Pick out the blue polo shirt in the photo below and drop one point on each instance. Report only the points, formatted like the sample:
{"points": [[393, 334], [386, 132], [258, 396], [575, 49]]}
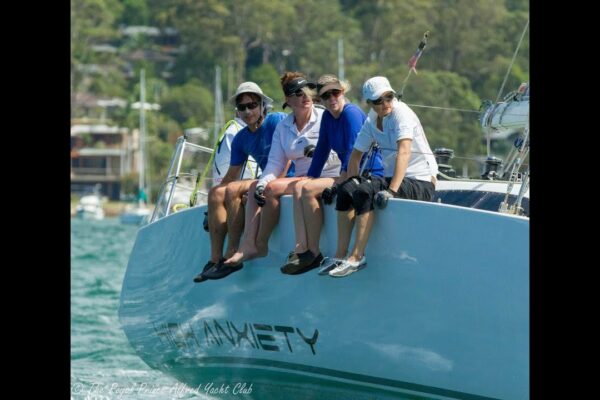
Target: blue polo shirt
{"points": [[339, 135], [256, 144]]}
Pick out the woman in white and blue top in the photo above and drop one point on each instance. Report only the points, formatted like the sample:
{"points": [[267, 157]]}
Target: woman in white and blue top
{"points": [[293, 141], [410, 166]]}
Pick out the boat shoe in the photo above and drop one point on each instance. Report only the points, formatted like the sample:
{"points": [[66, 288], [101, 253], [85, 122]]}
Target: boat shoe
{"points": [[221, 270], [348, 267], [200, 277], [305, 262]]}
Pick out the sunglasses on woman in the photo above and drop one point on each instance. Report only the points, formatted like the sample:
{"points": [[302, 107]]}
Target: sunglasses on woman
{"points": [[329, 93], [298, 93], [250, 106], [380, 100]]}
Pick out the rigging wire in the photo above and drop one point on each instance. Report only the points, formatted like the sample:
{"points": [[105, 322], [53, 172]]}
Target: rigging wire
{"points": [[488, 130]]}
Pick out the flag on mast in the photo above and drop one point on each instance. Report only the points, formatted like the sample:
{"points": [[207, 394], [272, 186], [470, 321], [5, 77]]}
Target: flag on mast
{"points": [[412, 63]]}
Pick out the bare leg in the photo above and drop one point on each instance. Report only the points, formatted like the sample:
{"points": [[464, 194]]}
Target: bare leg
{"points": [[312, 210], [235, 213], [299, 227], [217, 221], [247, 249], [364, 224], [345, 223], [270, 212]]}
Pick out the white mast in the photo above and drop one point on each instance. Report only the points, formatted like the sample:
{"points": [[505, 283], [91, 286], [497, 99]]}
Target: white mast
{"points": [[341, 58], [142, 135], [218, 105]]}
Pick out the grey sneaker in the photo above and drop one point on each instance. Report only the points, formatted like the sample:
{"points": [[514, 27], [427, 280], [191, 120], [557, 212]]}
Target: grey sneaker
{"points": [[328, 264], [348, 267]]}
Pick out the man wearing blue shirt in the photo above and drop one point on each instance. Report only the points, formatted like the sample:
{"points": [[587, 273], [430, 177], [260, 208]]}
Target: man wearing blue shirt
{"points": [[225, 210]]}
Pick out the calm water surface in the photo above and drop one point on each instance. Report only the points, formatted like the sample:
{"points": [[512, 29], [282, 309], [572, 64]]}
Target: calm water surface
{"points": [[103, 364]]}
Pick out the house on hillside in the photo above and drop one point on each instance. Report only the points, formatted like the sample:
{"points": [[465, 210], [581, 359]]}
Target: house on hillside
{"points": [[101, 154]]}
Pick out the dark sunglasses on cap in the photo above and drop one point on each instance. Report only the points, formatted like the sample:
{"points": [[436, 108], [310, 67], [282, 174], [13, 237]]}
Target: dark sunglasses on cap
{"points": [[329, 93], [380, 100], [250, 106]]}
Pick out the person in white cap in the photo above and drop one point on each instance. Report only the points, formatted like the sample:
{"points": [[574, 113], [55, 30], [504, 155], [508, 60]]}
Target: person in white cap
{"points": [[225, 210], [410, 166], [294, 140]]}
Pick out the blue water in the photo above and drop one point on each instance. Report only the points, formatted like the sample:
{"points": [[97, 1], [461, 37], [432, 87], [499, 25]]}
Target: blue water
{"points": [[103, 364]]}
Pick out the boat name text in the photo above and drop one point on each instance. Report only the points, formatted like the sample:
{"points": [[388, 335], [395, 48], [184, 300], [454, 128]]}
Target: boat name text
{"points": [[211, 333]]}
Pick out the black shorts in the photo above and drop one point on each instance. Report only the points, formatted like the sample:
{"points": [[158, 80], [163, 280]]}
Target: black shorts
{"points": [[414, 189], [358, 192]]}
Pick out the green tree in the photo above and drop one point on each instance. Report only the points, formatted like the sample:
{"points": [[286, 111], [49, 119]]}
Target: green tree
{"points": [[268, 79], [190, 102], [458, 130], [135, 12]]}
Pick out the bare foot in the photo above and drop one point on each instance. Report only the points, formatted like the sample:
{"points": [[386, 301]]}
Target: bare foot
{"points": [[229, 254], [240, 256]]}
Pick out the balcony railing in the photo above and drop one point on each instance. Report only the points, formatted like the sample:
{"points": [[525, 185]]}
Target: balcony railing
{"points": [[85, 171]]}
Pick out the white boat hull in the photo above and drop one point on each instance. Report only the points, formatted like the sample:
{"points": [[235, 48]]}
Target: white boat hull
{"points": [[441, 310]]}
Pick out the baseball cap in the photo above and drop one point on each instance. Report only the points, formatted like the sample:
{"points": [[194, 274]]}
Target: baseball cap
{"points": [[375, 87]]}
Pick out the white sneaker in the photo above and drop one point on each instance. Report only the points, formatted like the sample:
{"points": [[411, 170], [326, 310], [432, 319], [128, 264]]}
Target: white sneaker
{"points": [[348, 267], [328, 264]]}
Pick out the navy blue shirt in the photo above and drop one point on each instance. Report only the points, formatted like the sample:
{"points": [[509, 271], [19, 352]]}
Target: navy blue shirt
{"points": [[256, 144], [339, 135]]}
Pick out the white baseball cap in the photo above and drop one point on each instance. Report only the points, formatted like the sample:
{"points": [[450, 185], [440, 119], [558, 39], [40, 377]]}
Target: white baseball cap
{"points": [[375, 87], [250, 87]]}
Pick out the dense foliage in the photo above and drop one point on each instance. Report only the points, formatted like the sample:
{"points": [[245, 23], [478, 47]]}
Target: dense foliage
{"points": [[470, 47]]}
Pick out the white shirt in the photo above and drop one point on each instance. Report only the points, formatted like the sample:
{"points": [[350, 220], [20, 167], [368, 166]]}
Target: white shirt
{"points": [[401, 123], [289, 144], [223, 155]]}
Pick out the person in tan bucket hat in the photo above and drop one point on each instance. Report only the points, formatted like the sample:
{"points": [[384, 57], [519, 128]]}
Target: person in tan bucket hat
{"points": [[225, 208], [296, 136]]}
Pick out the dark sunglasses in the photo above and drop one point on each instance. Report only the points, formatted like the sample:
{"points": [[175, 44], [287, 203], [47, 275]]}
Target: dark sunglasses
{"points": [[329, 93], [298, 93], [380, 100], [250, 106]]}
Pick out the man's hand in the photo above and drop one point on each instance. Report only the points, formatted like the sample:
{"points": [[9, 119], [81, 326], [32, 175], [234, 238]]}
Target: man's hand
{"points": [[259, 196]]}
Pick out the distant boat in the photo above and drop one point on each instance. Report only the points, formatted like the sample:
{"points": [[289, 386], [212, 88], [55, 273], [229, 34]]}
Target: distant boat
{"points": [[135, 215], [90, 207], [140, 214]]}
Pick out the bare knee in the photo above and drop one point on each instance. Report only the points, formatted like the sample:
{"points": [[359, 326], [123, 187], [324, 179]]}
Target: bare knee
{"points": [[216, 195], [299, 190], [270, 192], [311, 191], [233, 194]]}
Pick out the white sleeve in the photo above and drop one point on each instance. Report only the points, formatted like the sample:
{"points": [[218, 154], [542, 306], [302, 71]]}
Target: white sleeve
{"points": [[277, 158], [222, 156], [364, 138]]}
